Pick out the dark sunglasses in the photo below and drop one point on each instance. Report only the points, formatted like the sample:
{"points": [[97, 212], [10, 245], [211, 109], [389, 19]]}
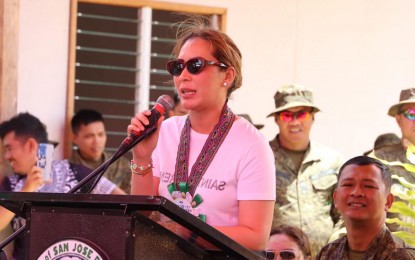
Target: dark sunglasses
{"points": [[409, 113], [288, 116], [285, 255], [194, 66]]}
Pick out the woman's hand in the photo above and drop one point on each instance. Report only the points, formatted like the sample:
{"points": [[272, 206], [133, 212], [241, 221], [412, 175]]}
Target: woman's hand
{"points": [[144, 149]]}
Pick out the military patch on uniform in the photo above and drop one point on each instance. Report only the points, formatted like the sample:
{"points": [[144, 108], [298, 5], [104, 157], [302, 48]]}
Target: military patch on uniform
{"points": [[324, 180]]}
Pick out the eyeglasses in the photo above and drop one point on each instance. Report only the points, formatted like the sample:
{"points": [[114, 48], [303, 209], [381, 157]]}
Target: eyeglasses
{"points": [[194, 66], [409, 113], [285, 255], [288, 116]]}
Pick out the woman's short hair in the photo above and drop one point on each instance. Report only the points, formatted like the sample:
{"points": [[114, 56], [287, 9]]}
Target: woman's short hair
{"points": [[225, 50]]}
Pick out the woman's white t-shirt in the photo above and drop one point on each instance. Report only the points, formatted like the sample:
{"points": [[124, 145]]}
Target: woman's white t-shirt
{"points": [[242, 169]]}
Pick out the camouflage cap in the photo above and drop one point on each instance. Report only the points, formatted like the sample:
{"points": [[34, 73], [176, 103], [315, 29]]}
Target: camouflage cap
{"points": [[407, 96], [386, 140], [247, 117], [289, 96]]}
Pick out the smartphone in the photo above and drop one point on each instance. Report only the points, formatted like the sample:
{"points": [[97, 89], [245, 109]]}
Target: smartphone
{"points": [[44, 159]]}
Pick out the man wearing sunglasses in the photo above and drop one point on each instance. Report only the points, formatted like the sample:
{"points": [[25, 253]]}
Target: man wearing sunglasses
{"points": [[306, 171], [404, 114]]}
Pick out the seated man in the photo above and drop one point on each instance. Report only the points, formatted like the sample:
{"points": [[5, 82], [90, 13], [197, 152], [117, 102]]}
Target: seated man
{"points": [[21, 137], [89, 136], [363, 198], [4, 171]]}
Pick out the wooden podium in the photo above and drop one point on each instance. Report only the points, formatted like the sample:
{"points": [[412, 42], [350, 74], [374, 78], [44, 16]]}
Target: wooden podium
{"points": [[91, 226]]}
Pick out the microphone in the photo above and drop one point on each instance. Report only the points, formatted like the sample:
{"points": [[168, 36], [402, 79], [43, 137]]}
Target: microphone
{"points": [[163, 104]]}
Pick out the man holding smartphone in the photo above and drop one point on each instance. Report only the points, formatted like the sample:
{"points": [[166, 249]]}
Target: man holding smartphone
{"points": [[21, 136]]}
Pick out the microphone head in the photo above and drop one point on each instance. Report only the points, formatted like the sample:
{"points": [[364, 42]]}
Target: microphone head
{"points": [[166, 101]]}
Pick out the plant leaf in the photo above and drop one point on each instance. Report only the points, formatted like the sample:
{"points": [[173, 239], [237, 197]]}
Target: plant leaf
{"points": [[403, 209]]}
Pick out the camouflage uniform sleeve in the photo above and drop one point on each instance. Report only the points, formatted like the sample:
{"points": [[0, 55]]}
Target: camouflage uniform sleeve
{"points": [[125, 184], [334, 250], [403, 254], [119, 173], [339, 228]]}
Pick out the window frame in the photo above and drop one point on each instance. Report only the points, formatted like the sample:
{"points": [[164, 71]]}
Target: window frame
{"points": [[221, 13]]}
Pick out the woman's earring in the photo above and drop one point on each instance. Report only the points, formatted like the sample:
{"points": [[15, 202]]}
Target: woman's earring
{"points": [[225, 84]]}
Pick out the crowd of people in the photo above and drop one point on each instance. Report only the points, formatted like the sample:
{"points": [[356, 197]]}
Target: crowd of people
{"points": [[291, 197]]}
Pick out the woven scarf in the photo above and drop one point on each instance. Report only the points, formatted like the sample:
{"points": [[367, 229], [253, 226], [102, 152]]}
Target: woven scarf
{"points": [[207, 154]]}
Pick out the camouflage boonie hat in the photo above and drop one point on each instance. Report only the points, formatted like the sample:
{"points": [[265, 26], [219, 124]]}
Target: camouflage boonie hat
{"points": [[386, 140], [289, 96], [247, 117], [407, 96]]}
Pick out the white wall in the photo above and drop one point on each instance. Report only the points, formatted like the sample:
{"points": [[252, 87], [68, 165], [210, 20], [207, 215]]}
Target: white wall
{"points": [[356, 54], [43, 62]]}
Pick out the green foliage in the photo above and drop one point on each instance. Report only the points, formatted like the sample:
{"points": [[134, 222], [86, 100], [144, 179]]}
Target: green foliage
{"points": [[406, 206], [408, 237], [402, 208]]}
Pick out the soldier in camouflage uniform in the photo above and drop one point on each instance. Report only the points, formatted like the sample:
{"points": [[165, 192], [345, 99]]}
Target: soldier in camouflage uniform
{"points": [[90, 137], [404, 113], [363, 196], [383, 140], [306, 171]]}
